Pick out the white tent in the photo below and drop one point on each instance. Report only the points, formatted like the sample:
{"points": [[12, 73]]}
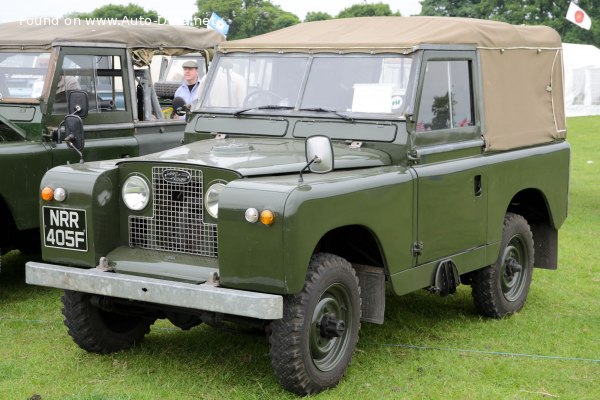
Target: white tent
{"points": [[582, 79]]}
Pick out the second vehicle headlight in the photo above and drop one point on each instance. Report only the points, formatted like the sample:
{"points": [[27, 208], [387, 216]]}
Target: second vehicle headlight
{"points": [[135, 193], [211, 199]]}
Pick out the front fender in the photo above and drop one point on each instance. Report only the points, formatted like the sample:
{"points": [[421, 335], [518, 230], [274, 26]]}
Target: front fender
{"points": [[275, 258], [93, 188]]}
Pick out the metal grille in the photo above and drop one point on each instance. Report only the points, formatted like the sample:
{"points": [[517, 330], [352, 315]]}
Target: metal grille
{"points": [[177, 223]]}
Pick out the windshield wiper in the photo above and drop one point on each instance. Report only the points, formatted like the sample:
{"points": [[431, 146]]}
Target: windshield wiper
{"points": [[268, 107], [321, 109]]}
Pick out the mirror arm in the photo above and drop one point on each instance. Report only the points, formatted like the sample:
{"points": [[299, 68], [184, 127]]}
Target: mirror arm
{"points": [[69, 142], [315, 159]]}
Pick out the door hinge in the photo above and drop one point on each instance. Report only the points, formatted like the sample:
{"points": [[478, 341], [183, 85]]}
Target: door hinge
{"points": [[417, 248], [413, 157]]}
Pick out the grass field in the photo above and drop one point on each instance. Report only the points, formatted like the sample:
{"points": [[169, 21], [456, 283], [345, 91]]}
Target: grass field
{"points": [[429, 347]]}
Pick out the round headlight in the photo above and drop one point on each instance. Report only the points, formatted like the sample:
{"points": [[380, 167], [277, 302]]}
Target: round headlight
{"points": [[135, 193], [211, 199]]}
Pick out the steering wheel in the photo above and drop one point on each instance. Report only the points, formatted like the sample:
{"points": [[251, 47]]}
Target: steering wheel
{"points": [[261, 97]]}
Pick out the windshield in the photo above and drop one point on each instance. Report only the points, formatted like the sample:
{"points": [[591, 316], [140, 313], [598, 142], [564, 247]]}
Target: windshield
{"points": [[22, 74], [342, 83]]}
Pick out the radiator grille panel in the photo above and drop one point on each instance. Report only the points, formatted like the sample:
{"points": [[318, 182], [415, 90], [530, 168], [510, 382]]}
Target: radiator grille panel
{"points": [[177, 222]]}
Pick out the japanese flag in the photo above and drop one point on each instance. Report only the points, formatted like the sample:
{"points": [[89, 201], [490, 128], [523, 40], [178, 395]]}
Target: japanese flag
{"points": [[579, 17]]}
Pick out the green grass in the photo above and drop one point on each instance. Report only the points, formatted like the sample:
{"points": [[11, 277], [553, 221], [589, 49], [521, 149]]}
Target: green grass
{"points": [[561, 319]]}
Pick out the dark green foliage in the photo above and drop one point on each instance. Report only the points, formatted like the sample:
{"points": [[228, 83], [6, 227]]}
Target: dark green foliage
{"points": [[316, 16], [366, 10], [116, 11], [537, 12]]}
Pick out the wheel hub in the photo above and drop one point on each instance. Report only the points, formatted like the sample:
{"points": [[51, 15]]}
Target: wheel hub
{"points": [[331, 327], [512, 267]]}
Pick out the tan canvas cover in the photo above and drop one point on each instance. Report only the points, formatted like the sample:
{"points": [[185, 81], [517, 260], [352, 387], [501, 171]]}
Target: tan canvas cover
{"points": [[522, 75], [523, 97], [384, 33], [168, 39]]}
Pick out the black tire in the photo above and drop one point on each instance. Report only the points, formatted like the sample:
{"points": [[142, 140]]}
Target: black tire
{"points": [[501, 289], [306, 354], [99, 331]]}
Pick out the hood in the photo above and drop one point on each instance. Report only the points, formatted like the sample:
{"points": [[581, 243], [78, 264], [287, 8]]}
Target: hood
{"points": [[255, 156]]}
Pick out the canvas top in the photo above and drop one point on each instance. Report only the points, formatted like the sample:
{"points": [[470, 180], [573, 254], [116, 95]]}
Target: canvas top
{"points": [[368, 34], [169, 39]]}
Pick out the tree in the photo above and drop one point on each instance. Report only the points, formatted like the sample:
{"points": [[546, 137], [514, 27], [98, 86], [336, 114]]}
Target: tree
{"points": [[117, 12], [366, 10], [316, 16], [531, 12], [247, 18]]}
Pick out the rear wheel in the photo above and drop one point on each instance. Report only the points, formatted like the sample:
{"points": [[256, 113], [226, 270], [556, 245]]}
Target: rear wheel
{"points": [[312, 345], [100, 331], [501, 289]]}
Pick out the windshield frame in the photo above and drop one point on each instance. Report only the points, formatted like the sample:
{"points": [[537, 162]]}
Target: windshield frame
{"points": [[200, 105]]}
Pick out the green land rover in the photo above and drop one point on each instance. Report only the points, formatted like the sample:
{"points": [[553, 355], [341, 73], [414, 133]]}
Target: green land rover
{"points": [[40, 66], [323, 163]]}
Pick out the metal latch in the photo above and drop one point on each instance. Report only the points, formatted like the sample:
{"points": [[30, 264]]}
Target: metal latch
{"points": [[417, 248], [355, 145]]}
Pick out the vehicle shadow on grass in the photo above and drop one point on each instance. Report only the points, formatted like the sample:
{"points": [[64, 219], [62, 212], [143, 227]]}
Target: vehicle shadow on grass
{"points": [[12, 279], [421, 317], [242, 358]]}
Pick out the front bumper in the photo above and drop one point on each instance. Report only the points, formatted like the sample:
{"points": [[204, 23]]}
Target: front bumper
{"points": [[199, 297]]}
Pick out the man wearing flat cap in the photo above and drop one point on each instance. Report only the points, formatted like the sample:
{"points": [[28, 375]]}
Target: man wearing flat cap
{"points": [[188, 91]]}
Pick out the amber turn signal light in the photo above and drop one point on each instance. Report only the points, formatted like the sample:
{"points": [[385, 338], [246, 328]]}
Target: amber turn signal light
{"points": [[47, 193], [267, 217]]}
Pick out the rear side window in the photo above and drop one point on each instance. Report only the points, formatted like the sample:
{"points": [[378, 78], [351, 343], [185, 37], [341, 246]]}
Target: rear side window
{"points": [[447, 96]]}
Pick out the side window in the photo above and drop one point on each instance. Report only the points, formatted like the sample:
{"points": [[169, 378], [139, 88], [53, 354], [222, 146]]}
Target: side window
{"points": [[101, 77], [447, 96]]}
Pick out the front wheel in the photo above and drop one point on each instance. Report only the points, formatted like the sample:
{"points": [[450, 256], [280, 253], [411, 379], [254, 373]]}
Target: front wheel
{"points": [[312, 345], [501, 289], [100, 331]]}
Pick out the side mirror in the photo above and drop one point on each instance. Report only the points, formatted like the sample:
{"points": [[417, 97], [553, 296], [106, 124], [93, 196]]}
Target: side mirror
{"points": [[78, 103], [319, 155], [179, 106], [74, 132], [319, 150]]}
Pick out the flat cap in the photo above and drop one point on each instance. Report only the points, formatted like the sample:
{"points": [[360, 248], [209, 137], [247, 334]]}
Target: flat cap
{"points": [[190, 64]]}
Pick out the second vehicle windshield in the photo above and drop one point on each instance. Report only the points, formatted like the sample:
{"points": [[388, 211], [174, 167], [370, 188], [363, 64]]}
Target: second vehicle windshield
{"points": [[22, 75], [343, 83]]}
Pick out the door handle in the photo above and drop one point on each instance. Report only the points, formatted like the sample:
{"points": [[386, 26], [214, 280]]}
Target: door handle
{"points": [[477, 188]]}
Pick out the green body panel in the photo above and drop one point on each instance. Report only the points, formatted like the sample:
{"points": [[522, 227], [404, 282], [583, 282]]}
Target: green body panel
{"points": [[169, 265], [251, 255], [544, 169], [275, 258], [101, 181], [450, 216], [379, 199], [23, 164]]}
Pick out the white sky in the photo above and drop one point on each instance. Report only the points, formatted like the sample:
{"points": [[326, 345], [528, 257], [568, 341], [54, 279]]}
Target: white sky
{"points": [[180, 10]]}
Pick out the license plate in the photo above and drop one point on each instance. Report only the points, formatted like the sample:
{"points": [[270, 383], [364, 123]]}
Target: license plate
{"points": [[65, 228]]}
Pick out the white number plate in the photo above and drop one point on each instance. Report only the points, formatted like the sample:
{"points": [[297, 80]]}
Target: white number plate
{"points": [[65, 228]]}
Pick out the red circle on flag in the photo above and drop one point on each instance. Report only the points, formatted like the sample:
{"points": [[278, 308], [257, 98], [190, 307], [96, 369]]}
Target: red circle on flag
{"points": [[578, 16]]}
